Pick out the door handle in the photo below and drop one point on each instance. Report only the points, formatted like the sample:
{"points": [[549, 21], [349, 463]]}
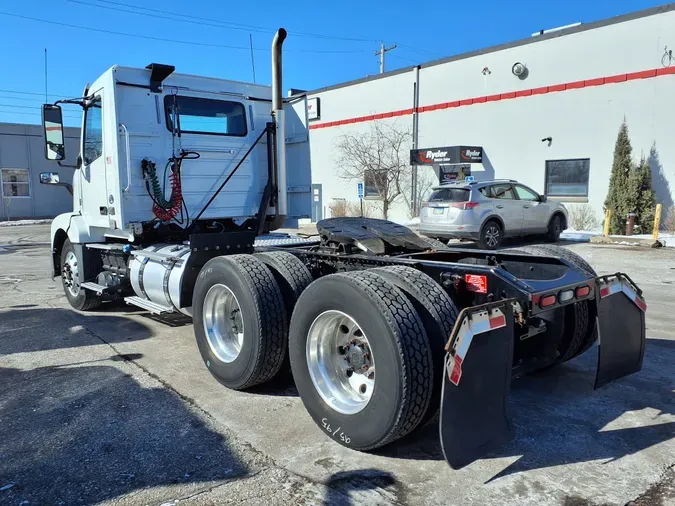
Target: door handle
{"points": [[499, 206], [526, 207]]}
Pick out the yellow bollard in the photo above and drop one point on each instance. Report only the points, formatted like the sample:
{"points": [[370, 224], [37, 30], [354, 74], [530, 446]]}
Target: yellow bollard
{"points": [[608, 216], [657, 221]]}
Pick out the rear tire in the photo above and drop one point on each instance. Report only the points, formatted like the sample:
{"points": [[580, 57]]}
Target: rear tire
{"points": [[491, 235], [292, 276], [580, 317], [73, 274], [396, 345], [438, 314], [436, 244], [240, 321]]}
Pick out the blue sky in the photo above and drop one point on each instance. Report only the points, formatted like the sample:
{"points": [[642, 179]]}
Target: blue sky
{"points": [[328, 42]]}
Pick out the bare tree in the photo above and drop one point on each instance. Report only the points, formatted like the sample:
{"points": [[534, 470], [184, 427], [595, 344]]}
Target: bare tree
{"points": [[380, 158], [414, 195]]}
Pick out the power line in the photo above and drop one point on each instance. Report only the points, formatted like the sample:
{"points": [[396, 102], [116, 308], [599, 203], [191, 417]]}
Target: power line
{"points": [[176, 41], [209, 21]]}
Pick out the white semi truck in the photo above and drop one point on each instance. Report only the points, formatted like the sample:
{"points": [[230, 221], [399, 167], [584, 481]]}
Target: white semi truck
{"points": [[179, 182]]}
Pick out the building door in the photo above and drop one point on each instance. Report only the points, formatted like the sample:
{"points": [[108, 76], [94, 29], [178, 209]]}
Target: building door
{"points": [[317, 203]]}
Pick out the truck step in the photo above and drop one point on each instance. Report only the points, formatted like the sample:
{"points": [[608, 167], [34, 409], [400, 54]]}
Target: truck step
{"points": [[94, 287], [148, 305]]}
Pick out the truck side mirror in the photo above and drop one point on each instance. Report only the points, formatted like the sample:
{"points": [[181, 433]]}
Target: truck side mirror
{"points": [[543, 198], [52, 122], [49, 178]]}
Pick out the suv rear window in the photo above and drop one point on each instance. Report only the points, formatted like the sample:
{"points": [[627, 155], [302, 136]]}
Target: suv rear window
{"points": [[450, 195]]}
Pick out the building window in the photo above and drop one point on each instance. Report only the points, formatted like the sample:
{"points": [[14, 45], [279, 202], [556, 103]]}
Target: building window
{"points": [[567, 178], [374, 183], [205, 116], [93, 132], [15, 183]]}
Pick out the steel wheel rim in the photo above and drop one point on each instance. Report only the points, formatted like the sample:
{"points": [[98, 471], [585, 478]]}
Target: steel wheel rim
{"points": [[223, 323], [492, 236], [340, 362], [71, 274]]}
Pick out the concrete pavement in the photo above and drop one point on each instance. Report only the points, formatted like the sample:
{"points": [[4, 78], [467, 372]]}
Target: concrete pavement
{"points": [[114, 407]]}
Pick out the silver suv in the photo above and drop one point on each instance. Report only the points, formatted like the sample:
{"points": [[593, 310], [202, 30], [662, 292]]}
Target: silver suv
{"points": [[489, 211]]}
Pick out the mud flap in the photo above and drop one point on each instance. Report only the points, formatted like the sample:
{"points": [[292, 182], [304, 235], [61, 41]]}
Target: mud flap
{"points": [[621, 328], [475, 416]]}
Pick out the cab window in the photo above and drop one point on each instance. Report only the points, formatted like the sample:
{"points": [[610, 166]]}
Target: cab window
{"points": [[93, 132], [195, 115]]}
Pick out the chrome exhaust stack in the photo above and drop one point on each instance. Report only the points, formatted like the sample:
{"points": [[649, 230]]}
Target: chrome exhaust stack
{"points": [[280, 136]]}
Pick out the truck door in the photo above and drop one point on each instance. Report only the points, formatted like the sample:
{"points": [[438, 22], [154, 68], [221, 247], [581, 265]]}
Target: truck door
{"points": [[94, 196]]}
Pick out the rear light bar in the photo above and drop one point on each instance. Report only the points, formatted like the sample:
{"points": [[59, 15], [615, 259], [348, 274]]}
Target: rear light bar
{"points": [[562, 296], [465, 205]]}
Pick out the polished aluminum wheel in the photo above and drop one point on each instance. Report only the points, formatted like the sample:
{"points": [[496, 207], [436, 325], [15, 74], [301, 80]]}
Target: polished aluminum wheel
{"points": [[223, 323], [71, 274], [340, 362]]}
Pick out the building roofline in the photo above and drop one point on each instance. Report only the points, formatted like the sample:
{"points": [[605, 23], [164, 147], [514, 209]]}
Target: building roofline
{"points": [[622, 18]]}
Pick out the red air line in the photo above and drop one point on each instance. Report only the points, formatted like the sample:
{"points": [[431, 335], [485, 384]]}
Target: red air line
{"points": [[600, 81]]}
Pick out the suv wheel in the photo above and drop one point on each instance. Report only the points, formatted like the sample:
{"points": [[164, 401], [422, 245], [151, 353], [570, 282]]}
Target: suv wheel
{"points": [[555, 229], [491, 235]]}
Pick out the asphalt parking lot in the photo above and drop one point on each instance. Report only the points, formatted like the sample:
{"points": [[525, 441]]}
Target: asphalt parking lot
{"points": [[116, 408]]}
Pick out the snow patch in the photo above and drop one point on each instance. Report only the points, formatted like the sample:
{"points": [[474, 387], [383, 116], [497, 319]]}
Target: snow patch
{"points": [[18, 223]]}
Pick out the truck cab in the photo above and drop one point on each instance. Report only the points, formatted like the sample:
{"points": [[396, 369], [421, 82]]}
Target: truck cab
{"points": [[134, 117]]}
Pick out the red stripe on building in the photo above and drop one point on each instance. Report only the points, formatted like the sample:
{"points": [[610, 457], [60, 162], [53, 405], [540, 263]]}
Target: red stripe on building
{"points": [[575, 85]]}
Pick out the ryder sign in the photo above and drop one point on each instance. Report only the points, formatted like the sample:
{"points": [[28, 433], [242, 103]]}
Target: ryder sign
{"points": [[446, 155]]}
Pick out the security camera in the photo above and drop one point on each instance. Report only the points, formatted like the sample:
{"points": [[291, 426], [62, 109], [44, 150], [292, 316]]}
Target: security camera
{"points": [[547, 139], [518, 69]]}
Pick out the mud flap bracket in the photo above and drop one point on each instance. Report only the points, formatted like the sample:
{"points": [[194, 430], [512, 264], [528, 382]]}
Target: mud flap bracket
{"points": [[475, 416], [621, 328]]}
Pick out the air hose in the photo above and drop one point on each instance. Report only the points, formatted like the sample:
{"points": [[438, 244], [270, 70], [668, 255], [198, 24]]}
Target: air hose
{"points": [[165, 210]]}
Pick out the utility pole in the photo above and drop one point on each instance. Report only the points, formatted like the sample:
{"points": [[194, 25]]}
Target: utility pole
{"points": [[250, 39], [381, 52]]}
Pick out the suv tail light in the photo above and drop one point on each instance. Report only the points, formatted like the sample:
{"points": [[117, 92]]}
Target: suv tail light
{"points": [[465, 205]]}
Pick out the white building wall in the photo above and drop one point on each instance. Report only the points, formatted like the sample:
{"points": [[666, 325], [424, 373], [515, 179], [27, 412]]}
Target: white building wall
{"points": [[580, 86]]}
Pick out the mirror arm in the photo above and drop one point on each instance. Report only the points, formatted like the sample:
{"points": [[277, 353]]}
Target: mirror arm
{"points": [[68, 166], [79, 101]]}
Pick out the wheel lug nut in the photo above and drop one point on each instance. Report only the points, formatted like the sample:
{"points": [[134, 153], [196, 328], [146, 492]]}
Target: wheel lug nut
{"points": [[341, 350], [350, 371], [362, 389]]}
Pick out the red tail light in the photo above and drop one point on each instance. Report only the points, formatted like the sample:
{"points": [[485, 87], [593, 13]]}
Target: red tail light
{"points": [[465, 205], [582, 291], [547, 301], [425, 204]]}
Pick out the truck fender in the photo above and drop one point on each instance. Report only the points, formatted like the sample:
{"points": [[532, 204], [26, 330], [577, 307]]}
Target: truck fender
{"points": [[74, 228]]}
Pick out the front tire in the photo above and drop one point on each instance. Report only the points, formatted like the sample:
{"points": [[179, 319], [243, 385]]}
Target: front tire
{"points": [[72, 276], [491, 235], [555, 228], [345, 328], [240, 321]]}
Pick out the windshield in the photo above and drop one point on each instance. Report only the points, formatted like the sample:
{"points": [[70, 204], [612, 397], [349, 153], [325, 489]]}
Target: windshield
{"points": [[450, 195]]}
